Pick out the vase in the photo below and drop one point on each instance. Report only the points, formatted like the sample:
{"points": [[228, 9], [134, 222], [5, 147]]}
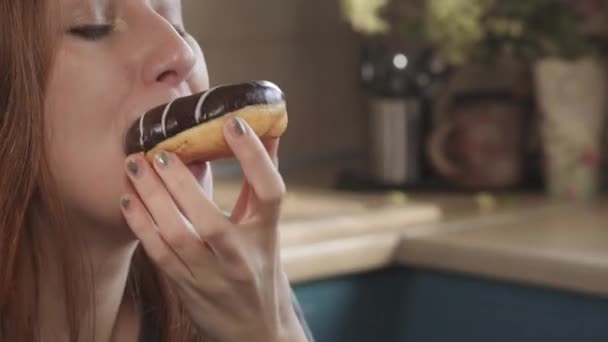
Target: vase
{"points": [[571, 97]]}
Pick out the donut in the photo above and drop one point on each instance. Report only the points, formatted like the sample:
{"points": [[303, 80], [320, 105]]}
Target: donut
{"points": [[192, 126]]}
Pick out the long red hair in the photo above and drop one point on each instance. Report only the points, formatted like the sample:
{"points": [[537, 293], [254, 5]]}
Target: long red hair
{"points": [[28, 37]]}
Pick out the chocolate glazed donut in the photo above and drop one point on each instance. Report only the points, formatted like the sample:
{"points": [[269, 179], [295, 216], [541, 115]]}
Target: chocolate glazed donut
{"points": [[192, 126]]}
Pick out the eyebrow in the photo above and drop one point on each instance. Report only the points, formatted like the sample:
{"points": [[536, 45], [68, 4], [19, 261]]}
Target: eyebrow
{"points": [[98, 10]]}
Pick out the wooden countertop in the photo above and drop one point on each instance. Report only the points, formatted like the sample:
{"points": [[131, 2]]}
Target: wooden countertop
{"points": [[526, 239], [560, 246]]}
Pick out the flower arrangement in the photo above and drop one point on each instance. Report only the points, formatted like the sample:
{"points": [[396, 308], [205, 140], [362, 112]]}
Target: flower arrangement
{"points": [[482, 29], [364, 15]]}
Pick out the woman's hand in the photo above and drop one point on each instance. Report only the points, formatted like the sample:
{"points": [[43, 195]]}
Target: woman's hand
{"points": [[226, 270]]}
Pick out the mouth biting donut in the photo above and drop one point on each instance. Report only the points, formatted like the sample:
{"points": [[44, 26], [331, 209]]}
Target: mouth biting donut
{"points": [[192, 126]]}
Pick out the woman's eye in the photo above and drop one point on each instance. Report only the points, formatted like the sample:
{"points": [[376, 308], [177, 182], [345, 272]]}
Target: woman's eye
{"points": [[91, 32]]}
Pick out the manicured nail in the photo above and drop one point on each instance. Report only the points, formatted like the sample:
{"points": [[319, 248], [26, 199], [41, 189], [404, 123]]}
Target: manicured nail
{"points": [[125, 202], [238, 126], [162, 158], [133, 167]]}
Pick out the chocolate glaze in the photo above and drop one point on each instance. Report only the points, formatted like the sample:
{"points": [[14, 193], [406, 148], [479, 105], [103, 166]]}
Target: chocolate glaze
{"points": [[169, 119]]}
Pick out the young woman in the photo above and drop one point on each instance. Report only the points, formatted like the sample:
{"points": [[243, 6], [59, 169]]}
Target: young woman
{"points": [[99, 246]]}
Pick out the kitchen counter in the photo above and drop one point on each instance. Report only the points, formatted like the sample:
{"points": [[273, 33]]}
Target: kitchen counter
{"points": [[561, 246], [524, 239]]}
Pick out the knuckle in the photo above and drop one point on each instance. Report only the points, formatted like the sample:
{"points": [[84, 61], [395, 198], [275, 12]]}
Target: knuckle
{"points": [[274, 195], [216, 235], [179, 238]]}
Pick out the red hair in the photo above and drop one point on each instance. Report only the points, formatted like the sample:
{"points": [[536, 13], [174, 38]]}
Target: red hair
{"points": [[28, 37]]}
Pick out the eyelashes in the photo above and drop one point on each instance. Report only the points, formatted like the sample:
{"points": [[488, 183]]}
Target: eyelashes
{"points": [[91, 32], [98, 32]]}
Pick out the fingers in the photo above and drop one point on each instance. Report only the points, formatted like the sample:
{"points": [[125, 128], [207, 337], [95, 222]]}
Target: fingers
{"points": [[190, 197], [173, 213], [176, 230], [146, 231], [241, 208], [257, 166], [272, 146]]}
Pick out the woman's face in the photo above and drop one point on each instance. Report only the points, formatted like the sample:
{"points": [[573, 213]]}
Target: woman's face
{"points": [[116, 59]]}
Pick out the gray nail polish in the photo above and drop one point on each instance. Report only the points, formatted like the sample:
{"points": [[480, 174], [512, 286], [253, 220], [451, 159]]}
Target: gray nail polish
{"points": [[125, 202], [133, 167], [238, 126], [162, 158]]}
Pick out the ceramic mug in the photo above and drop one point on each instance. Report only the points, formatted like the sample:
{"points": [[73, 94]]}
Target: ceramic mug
{"points": [[479, 145]]}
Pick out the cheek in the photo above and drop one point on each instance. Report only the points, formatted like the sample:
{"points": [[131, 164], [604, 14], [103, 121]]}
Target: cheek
{"points": [[83, 134], [199, 80]]}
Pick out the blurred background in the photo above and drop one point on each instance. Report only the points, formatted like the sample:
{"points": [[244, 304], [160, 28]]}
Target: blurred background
{"points": [[445, 161]]}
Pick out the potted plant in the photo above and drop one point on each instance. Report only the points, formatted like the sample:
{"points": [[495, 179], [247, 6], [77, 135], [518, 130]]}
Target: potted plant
{"points": [[562, 41]]}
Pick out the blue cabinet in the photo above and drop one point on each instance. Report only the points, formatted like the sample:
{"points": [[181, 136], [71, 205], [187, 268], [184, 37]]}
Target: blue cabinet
{"points": [[417, 305]]}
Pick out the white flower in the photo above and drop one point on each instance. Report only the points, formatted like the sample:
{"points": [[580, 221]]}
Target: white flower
{"points": [[363, 15]]}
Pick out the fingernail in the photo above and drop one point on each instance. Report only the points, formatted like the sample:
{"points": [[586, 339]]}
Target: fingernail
{"points": [[238, 126], [162, 158], [133, 167], [125, 202]]}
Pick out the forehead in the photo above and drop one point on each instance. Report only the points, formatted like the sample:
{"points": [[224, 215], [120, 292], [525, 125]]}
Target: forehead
{"points": [[100, 7], [85, 8]]}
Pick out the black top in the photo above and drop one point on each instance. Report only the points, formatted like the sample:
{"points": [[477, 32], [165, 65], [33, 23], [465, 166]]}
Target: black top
{"points": [[150, 331]]}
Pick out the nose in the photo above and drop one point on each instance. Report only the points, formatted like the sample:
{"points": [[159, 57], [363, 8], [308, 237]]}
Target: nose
{"points": [[170, 59]]}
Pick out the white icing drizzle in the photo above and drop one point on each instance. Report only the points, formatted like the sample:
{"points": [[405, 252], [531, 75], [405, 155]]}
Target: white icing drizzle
{"points": [[163, 121], [199, 105], [141, 131]]}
